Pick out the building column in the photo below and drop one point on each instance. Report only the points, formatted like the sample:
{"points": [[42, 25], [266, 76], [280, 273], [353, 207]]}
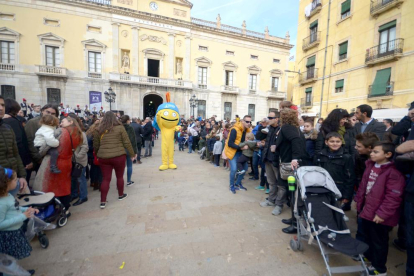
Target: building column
{"points": [[115, 47], [135, 50], [187, 57], [171, 57]]}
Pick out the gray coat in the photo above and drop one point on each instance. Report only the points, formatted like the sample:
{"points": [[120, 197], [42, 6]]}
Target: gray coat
{"points": [[81, 152], [374, 127]]}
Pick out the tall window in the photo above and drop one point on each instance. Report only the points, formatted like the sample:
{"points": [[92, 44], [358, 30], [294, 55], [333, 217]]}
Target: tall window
{"points": [[308, 96], [343, 50], [229, 78], [201, 111], [313, 31], [252, 82], [346, 9], [227, 110], [339, 86], [8, 92], [387, 37], [7, 52], [95, 62], [252, 111], [52, 56], [202, 75], [275, 84], [310, 66]]}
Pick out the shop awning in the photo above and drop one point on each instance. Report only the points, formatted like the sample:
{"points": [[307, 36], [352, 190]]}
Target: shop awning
{"points": [[395, 114]]}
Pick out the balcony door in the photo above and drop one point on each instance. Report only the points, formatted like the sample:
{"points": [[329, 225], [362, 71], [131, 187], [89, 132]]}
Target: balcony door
{"points": [[313, 32], [153, 68], [387, 39], [227, 110]]}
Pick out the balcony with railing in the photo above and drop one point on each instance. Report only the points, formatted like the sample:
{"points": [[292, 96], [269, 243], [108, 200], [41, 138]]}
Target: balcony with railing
{"points": [[7, 67], [308, 76], [390, 50], [306, 102], [101, 2], [229, 89], [316, 8], [53, 71], [380, 6], [202, 86], [389, 92], [127, 78], [94, 75], [274, 93], [311, 41]]}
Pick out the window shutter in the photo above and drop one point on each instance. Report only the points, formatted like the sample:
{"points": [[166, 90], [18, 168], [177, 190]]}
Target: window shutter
{"points": [[388, 25], [314, 24], [343, 48], [339, 84], [311, 61], [308, 90], [381, 81], [346, 6]]}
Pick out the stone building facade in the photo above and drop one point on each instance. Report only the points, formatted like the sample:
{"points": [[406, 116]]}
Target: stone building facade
{"points": [[60, 51]]}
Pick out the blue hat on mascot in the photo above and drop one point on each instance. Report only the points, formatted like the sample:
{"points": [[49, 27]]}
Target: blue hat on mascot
{"points": [[166, 105]]}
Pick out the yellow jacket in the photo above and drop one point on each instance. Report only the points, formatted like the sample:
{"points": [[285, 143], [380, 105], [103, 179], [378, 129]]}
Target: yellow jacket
{"points": [[230, 152]]}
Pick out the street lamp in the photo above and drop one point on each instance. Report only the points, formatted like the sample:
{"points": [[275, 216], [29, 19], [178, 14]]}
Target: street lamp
{"points": [[193, 103], [110, 97]]}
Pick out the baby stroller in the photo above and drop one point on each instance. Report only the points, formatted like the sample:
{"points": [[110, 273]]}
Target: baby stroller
{"points": [[321, 221], [50, 210]]}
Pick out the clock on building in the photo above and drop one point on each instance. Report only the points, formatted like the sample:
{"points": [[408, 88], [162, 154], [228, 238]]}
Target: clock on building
{"points": [[154, 6]]}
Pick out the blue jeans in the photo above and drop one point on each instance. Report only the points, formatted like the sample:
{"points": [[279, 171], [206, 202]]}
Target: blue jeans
{"points": [[233, 170], [190, 147], [256, 164], [409, 213], [82, 191], [129, 167]]}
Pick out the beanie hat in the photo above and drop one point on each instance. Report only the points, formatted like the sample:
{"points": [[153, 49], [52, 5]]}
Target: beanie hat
{"points": [[24, 99], [411, 106]]}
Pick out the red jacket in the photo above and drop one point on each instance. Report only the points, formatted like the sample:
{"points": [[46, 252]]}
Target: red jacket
{"points": [[385, 197]]}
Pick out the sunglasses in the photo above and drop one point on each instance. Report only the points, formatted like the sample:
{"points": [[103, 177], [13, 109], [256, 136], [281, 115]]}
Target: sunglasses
{"points": [[271, 118], [248, 122]]}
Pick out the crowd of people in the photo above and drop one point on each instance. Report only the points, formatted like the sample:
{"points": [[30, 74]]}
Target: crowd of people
{"points": [[371, 162], [65, 149]]}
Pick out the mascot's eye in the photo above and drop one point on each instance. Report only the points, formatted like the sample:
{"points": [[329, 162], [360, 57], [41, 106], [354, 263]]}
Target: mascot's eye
{"points": [[165, 113], [174, 114]]}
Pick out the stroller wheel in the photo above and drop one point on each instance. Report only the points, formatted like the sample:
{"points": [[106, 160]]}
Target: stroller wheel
{"points": [[62, 221], [44, 241], [294, 245]]}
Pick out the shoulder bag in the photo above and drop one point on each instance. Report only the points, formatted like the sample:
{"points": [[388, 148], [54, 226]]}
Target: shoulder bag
{"points": [[76, 167]]}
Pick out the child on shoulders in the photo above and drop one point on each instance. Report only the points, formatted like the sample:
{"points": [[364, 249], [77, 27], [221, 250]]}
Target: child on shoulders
{"points": [[379, 199]]}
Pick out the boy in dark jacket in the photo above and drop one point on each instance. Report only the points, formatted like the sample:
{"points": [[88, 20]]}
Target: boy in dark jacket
{"points": [[379, 199], [340, 165]]}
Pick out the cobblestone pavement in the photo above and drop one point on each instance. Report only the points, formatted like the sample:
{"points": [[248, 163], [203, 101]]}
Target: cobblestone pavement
{"points": [[182, 222]]}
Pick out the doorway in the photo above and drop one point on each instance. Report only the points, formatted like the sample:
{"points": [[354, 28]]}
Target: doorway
{"points": [[151, 103], [153, 68]]}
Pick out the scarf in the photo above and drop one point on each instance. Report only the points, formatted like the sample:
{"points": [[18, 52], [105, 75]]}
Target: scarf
{"points": [[308, 135], [342, 132]]}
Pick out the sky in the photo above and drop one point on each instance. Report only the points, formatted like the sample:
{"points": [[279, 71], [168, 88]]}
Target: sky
{"points": [[279, 15]]}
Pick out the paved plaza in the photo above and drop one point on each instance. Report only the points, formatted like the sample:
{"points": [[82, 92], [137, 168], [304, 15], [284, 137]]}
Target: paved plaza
{"points": [[183, 222]]}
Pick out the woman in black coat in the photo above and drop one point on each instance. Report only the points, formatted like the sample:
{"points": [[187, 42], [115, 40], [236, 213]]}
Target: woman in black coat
{"points": [[337, 121], [12, 108]]}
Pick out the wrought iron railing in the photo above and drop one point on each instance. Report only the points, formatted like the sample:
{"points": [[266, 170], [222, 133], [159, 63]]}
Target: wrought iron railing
{"points": [[310, 40], [7, 67], [306, 102], [316, 4], [379, 4], [387, 49], [389, 90], [309, 75]]}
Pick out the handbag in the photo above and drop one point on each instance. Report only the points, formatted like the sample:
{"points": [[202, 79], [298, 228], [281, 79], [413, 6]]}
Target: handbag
{"points": [[76, 167], [285, 170]]}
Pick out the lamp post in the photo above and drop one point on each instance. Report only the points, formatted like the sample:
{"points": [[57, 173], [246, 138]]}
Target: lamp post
{"points": [[110, 97], [193, 103]]}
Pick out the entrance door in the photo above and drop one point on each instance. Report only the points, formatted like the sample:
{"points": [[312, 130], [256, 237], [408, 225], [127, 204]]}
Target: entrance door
{"points": [[151, 103], [153, 68]]}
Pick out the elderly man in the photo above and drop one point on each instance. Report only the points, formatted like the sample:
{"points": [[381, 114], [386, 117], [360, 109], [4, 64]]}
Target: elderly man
{"points": [[233, 151], [9, 153], [147, 135]]}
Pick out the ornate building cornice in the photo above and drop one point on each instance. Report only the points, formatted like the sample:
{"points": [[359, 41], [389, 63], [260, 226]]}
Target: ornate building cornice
{"points": [[175, 22]]}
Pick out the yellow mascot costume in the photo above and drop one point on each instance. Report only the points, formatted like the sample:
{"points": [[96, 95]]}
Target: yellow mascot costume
{"points": [[166, 120]]}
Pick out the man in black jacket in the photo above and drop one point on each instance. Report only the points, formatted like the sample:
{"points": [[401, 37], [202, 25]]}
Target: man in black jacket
{"points": [[147, 135], [366, 123], [136, 125], [272, 172]]}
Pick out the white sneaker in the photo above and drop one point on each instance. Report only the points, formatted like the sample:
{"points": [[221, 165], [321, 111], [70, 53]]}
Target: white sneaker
{"points": [[267, 203], [277, 211]]}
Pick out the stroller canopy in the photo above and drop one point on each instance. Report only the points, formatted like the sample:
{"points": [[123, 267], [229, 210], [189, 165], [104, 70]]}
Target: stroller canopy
{"points": [[313, 176]]}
